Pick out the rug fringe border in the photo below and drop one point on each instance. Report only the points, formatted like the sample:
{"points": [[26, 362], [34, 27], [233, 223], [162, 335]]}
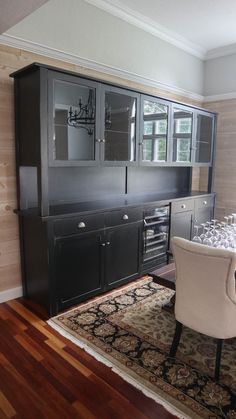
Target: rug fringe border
{"points": [[170, 408]]}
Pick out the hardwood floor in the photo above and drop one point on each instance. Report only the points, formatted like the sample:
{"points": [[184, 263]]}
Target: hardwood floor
{"points": [[43, 375]]}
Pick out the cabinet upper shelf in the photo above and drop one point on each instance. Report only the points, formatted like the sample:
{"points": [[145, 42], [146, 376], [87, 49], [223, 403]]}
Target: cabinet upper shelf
{"points": [[92, 122]]}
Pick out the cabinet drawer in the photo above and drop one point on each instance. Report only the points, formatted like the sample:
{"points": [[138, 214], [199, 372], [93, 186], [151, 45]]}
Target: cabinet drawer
{"points": [[123, 216], [183, 205], [204, 202], [80, 224]]}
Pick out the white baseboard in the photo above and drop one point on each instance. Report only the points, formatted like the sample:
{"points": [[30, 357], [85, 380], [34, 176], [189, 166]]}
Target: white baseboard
{"points": [[10, 294]]}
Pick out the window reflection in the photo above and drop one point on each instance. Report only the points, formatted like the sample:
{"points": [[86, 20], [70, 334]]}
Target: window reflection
{"points": [[154, 131], [182, 136]]}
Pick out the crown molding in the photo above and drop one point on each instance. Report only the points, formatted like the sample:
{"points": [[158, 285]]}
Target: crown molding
{"points": [[222, 96], [45, 51], [11, 294], [221, 52], [149, 25], [104, 68]]}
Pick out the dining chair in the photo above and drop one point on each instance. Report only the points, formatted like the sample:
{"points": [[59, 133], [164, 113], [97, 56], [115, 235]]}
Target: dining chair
{"points": [[205, 293]]}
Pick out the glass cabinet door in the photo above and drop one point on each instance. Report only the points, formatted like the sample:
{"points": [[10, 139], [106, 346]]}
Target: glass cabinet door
{"points": [[74, 122], [182, 135], [154, 130], [204, 138], [120, 125]]}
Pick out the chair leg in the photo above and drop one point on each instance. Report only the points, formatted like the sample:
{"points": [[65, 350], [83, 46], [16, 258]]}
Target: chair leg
{"points": [[176, 339], [218, 358]]}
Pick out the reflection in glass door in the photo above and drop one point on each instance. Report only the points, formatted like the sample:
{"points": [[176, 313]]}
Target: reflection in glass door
{"points": [[182, 135], [74, 122], [120, 126], [155, 127]]}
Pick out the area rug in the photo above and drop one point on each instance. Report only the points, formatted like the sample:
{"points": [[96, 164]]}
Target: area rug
{"points": [[129, 331]]}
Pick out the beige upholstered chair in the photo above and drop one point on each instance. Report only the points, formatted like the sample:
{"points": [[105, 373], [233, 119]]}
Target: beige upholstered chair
{"points": [[205, 292]]}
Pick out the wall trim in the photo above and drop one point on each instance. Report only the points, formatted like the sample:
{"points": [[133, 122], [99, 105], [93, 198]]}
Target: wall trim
{"points": [[220, 52], [45, 51], [10, 294], [222, 96], [148, 25]]}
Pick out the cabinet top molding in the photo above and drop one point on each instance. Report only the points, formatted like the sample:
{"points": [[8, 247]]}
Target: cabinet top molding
{"points": [[35, 66]]}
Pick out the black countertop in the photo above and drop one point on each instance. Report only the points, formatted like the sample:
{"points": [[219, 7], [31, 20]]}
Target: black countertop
{"points": [[66, 210]]}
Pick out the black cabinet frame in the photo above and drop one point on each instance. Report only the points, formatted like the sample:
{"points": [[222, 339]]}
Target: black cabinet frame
{"points": [[34, 93]]}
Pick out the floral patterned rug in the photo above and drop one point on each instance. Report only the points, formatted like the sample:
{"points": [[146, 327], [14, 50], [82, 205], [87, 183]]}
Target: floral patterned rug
{"points": [[129, 330]]}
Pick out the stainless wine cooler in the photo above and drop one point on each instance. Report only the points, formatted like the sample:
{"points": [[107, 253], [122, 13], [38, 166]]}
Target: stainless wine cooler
{"points": [[155, 236]]}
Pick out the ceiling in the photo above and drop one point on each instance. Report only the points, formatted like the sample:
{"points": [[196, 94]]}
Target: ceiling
{"points": [[12, 11]]}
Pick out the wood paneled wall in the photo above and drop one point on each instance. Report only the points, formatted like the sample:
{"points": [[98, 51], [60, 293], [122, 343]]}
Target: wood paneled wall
{"points": [[12, 59], [225, 157]]}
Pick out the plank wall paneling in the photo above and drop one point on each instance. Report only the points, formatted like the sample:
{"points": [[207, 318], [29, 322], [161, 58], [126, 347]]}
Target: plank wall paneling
{"points": [[225, 168], [12, 59]]}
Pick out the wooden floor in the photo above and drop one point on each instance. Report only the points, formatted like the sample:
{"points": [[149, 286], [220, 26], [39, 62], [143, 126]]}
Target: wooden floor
{"points": [[43, 375]]}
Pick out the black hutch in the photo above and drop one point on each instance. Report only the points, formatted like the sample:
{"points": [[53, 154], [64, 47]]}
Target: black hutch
{"points": [[104, 178]]}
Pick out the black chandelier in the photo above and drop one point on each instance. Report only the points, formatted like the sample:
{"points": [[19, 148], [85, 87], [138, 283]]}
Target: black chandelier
{"points": [[83, 116]]}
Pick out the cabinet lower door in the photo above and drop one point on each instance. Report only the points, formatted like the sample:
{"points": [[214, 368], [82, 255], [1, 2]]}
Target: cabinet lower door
{"points": [[78, 268], [122, 254], [181, 225]]}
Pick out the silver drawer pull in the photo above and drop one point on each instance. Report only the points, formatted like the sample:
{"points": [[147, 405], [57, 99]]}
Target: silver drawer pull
{"points": [[183, 206], [108, 243], [125, 217], [204, 202], [81, 225]]}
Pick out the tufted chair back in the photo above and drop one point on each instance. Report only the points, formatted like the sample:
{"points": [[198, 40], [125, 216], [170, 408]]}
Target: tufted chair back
{"points": [[205, 288]]}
